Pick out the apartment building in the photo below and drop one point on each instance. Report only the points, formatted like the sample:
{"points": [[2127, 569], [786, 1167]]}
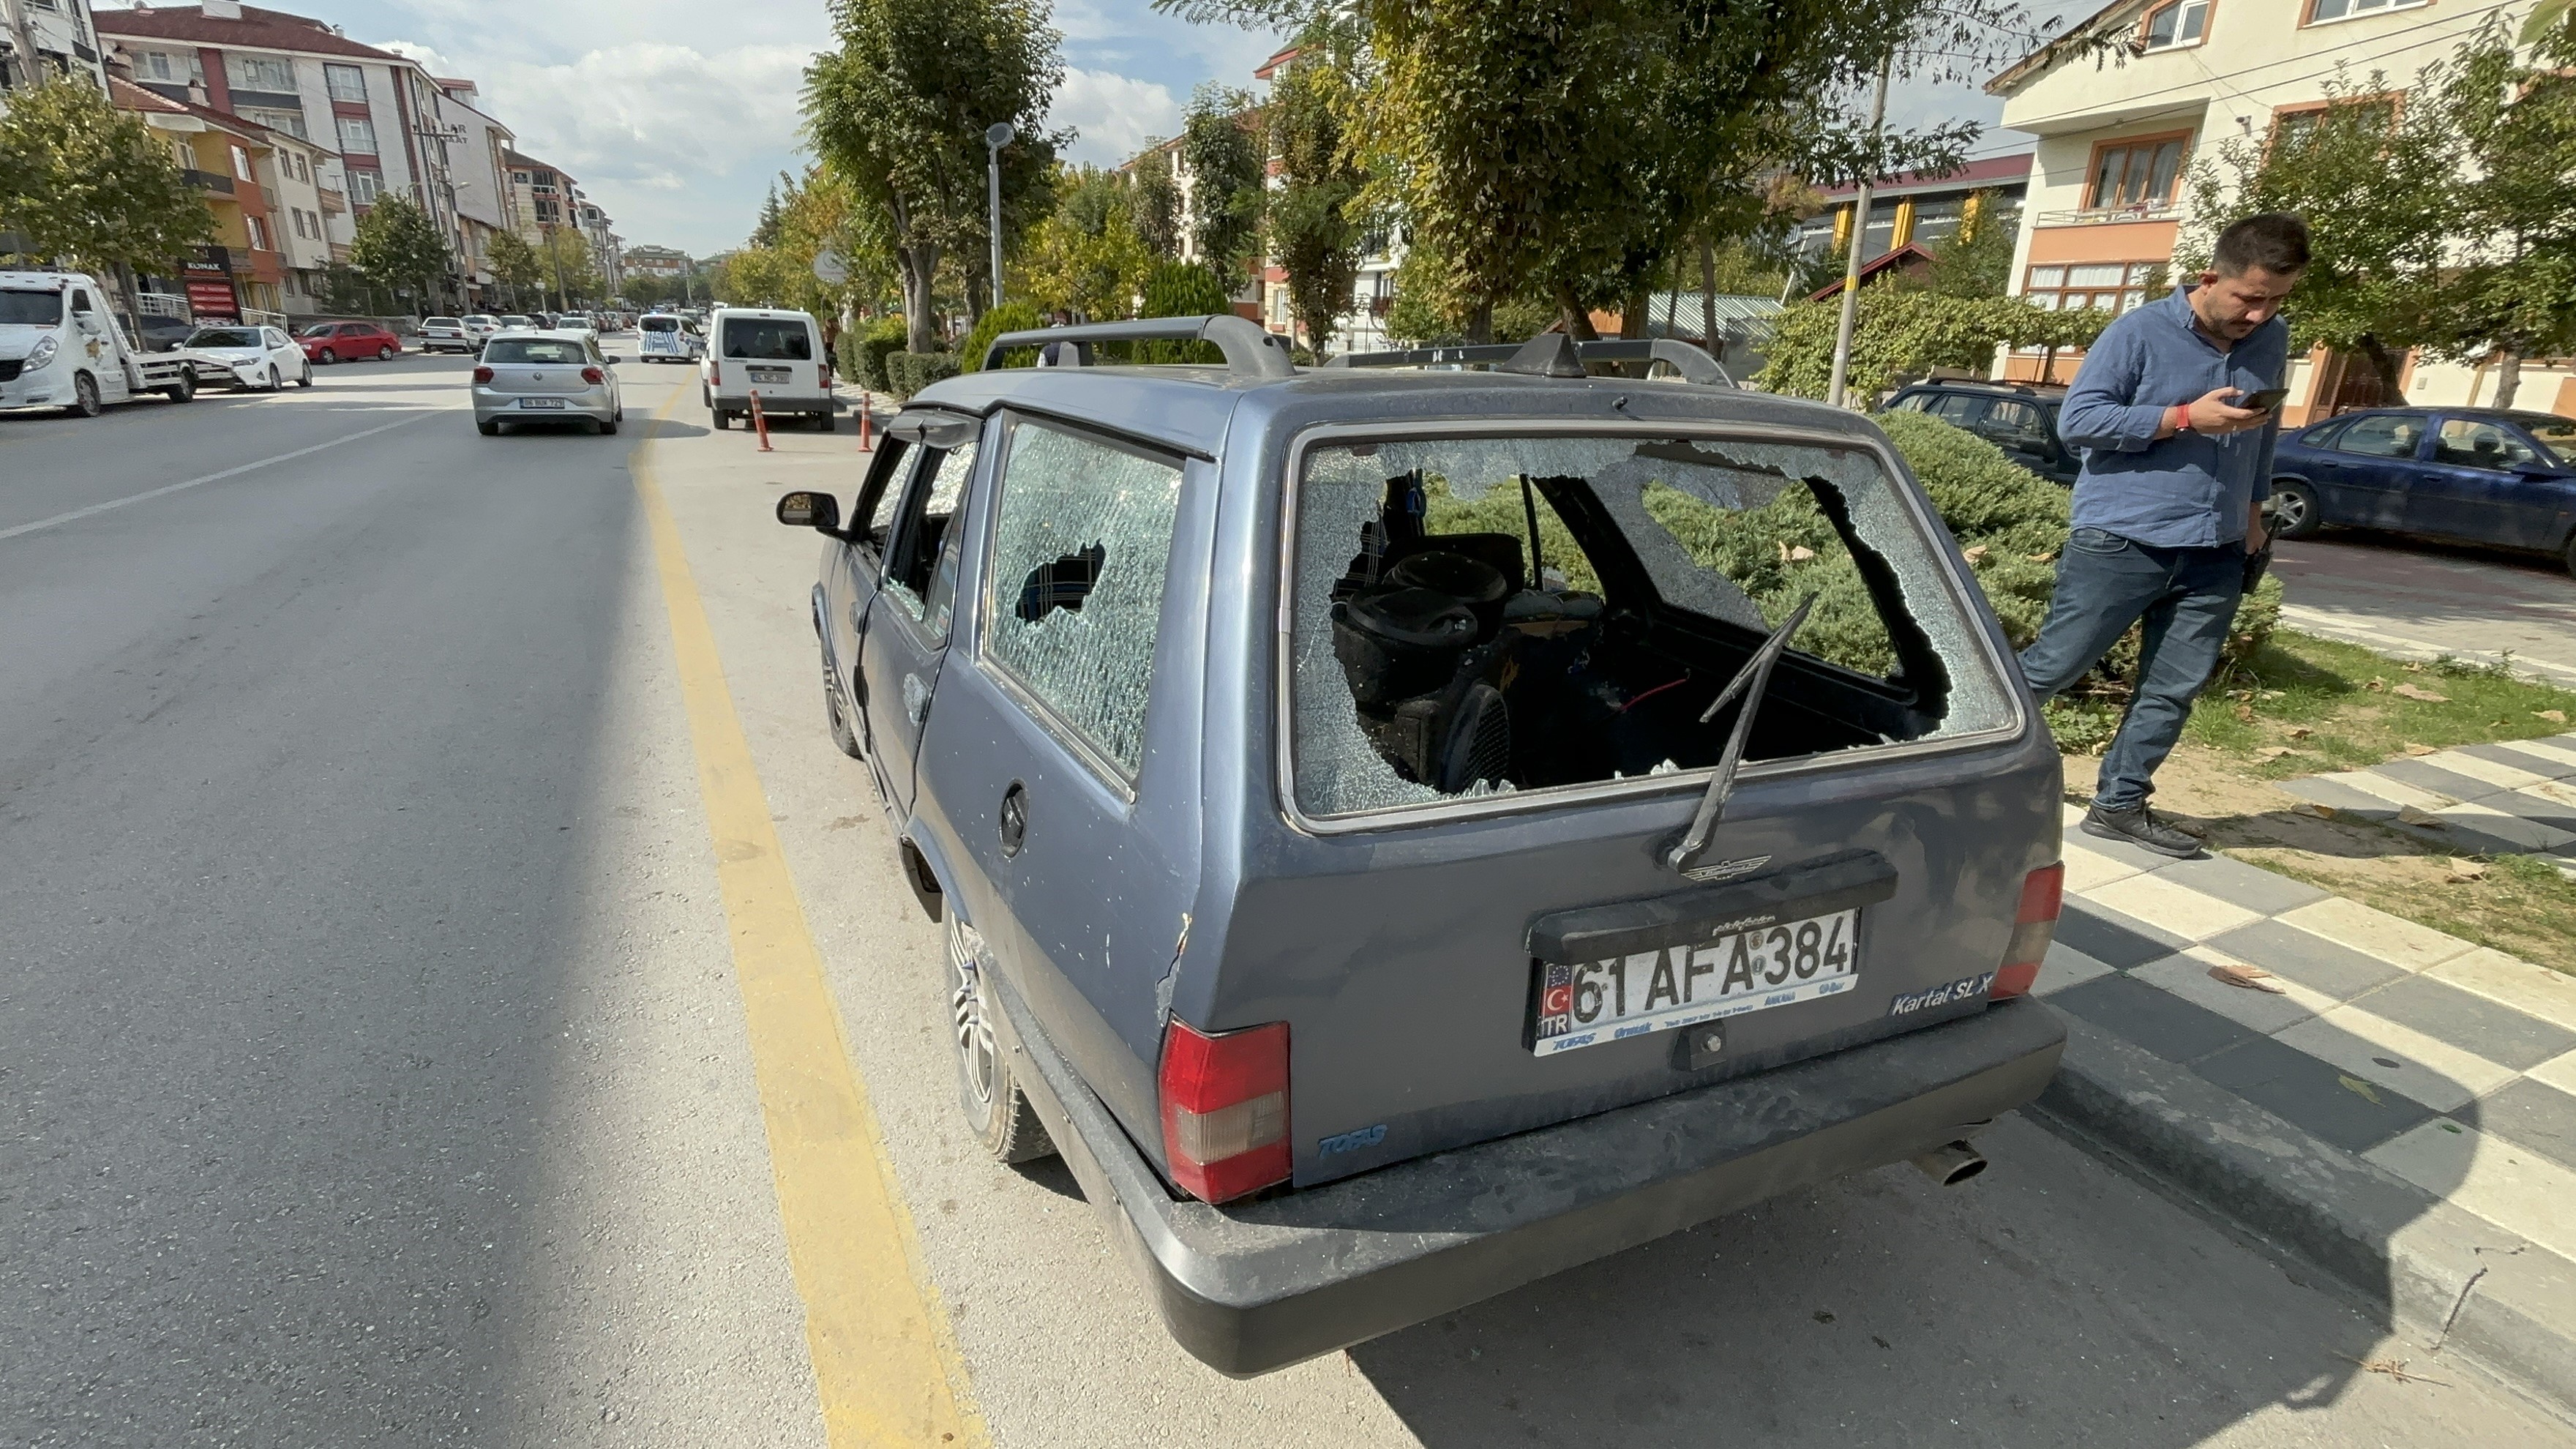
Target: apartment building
{"points": [[660, 263], [2108, 190], [241, 275], [1919, 210], [478, 170], [541, 196], [392, 125], [61, 36], [607, 248]]}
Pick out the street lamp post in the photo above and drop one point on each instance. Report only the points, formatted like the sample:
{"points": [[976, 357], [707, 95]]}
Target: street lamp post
{"points": [[1000, 135], [1859, 230]]}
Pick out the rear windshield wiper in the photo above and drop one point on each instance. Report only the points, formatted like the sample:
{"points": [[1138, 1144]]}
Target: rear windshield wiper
{"points": [[1750, 682]]}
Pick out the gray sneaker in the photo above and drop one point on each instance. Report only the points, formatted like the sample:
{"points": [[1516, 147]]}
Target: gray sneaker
{"points": [[2142, 827]]}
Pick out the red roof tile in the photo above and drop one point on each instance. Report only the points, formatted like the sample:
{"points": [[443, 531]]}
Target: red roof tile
{"points": [[258, 29]]}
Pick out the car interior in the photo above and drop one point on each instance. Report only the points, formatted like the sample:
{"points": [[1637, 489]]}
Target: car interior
{"points": [[1555, 653]]}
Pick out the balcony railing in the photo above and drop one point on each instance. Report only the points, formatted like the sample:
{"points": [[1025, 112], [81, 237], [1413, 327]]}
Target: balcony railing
{"points": [[2110, 215], [334, 201], [162, 304], [208, 180]]}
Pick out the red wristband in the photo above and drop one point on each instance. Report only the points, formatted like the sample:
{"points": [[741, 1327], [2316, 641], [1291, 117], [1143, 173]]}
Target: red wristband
{"points": [[2179, 415]]}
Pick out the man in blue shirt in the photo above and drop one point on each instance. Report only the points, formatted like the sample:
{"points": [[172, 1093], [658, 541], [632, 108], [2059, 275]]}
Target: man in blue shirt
{"points": [[2169, 504]]}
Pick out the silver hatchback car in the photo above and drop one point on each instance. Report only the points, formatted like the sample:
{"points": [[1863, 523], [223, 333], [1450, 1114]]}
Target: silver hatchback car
{"points": [[546, 377]]}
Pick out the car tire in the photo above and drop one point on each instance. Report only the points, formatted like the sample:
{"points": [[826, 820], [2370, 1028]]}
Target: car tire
{"points": [[326, 357], [84, 403], [488, 427], [827, 423], [307, 379], [995, 1107], [608, 427], [384, 354], [2295, 513], [185, 389], [723, 421]]}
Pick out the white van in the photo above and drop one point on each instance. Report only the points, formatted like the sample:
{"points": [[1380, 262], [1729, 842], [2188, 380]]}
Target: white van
{"points": [[670, 338], [776, 354]]}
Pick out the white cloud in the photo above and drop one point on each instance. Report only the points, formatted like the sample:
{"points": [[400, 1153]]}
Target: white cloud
{"points": [[1117, 116]]}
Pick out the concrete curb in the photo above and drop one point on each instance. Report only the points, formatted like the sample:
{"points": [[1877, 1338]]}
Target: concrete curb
{"points": [[2448, 1281]]}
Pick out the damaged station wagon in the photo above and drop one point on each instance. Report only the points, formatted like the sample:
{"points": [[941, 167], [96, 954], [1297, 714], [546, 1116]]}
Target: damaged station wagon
{"points": [[1405, 829]]}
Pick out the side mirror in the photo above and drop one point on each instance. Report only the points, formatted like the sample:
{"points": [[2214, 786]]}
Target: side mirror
{"points": [[818, 511]]}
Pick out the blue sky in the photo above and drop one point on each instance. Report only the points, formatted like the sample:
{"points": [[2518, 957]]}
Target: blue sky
{"points": [[676, 121]]}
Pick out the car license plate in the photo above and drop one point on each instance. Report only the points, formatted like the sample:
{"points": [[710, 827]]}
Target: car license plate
{"points": [[1586, 1003], [771, 374], [541, 402]]}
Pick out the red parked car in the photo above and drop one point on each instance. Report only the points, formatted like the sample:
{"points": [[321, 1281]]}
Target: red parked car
{"points": [[329, 342]]}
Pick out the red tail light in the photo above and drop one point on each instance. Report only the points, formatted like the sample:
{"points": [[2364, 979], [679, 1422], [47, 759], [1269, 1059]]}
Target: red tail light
{"points": [[593, 376], [715, 373], [2043, 892], [1225, 1109], [482, 374]]}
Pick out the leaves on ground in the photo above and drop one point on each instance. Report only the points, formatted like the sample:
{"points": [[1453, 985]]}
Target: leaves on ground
{"points": [[2554, 716], [2415, 749], [2463, 869], [2428, 696], [2250, 978], [2414, 815], [2394, 1368]]}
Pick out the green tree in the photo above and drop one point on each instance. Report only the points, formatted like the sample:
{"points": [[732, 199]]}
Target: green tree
{"points": [[2378, 183], [1315, 231], [564, 262], [1088, 256], [1977, 259], [397, 246], [83, 182], [1220, 145], [1568, 147], [2516, 298], [899, 111], [1155, 204], [516, 264], [1183, 289]]}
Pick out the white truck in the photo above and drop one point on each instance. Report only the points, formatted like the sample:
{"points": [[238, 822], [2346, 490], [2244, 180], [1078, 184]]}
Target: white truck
{"points": [[61, 347]]}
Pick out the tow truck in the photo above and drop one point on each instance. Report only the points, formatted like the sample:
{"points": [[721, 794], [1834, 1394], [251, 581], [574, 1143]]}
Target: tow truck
{"points": [[61, 347]]}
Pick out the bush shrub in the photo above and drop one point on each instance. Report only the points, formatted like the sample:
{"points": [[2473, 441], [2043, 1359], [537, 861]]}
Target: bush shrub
{"points": [[909, 372], [1183, 289], [1009, 317], [864, 352]]}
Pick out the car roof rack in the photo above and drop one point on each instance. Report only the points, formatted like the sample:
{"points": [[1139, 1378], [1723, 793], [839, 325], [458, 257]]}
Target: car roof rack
{"points": [[1553, 354], [1251, 351]]}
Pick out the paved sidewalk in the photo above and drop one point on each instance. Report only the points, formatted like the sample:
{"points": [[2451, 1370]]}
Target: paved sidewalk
{"points": [[2479, 799], [2403, 1111]]}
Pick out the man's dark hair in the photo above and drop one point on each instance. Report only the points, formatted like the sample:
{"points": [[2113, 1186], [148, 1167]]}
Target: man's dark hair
{"points": [[2276, 241]]}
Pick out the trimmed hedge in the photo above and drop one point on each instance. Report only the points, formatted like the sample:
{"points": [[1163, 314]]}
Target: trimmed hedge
{"points": [[1009, 317], [909, 372], [863, 352]]}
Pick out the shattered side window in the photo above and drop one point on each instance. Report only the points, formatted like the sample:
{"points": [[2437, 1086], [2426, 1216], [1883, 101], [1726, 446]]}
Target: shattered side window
{"points": [[910, 577], [1474, 616], [1082, 542]]}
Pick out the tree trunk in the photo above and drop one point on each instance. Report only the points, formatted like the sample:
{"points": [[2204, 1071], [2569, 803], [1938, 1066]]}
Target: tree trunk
{"points": [[1577, 320], [920, 263], [1637, 313], [1708, 299], [2508, 375], [2390, 366], [1480, 324]]}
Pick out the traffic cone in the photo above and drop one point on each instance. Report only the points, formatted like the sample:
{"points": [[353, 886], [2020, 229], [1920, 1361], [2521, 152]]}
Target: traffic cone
{"points": [[867, 415], [760, 423]]}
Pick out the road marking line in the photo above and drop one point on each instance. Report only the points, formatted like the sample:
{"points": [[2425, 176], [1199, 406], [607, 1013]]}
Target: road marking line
{"points": [[885, 1367], [162, 492]]}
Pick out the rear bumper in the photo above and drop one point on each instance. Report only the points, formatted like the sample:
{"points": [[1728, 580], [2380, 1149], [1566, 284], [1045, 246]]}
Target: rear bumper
{"points": [[804, 405], [1258, 1287]]}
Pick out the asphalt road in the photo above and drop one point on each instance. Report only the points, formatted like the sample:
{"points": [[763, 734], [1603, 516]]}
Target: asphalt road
{"points": [[374, 1067], [2418, 600]]}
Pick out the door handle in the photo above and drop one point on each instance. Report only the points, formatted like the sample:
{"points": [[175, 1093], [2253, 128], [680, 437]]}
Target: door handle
{"points": [[1014, 819]]}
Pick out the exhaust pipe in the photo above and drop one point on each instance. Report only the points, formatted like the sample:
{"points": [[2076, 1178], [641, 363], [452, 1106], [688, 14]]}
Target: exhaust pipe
{"points": [[1951, 1163]]}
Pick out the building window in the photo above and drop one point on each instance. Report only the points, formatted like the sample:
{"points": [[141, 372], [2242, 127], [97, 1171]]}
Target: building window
{"points": [[357, 135], [2180, 23], [258, 234], [2070, 286], [261, 72], [157, 65], [2141, 173], [364, 186], [241, 165], [2339, 9], [291, 122], [345, 82]]}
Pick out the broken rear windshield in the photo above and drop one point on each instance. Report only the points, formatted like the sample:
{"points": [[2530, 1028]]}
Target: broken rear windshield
{"points": [[1477, 616]]}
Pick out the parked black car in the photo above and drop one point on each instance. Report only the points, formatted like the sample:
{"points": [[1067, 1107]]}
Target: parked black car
{"points": [[163, 334], [2020, 420], [2469, 475]]}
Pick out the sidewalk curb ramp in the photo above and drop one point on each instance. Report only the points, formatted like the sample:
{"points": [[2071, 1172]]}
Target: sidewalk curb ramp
{"points": [[2449, 1283]]}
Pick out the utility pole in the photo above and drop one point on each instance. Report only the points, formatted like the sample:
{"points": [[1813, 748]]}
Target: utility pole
{"points": [[1000, 135], [1859, 229]]}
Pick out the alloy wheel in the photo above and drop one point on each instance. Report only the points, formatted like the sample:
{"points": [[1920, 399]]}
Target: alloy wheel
{"points": [[974, 1028]]}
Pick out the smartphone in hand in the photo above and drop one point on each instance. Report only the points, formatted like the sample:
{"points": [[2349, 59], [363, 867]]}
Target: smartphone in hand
{"points": [[2264, 401]]}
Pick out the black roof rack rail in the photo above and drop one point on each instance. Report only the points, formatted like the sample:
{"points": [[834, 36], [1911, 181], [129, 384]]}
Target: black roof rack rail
{"points": [[1250, 350], [1543, 356]]}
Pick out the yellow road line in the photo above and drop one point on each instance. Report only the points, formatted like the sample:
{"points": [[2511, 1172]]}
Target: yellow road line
{"points": [[885, 1366]]}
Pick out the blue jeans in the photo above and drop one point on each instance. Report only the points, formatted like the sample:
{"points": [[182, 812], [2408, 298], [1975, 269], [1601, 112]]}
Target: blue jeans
{"points": [[2185, 600]]}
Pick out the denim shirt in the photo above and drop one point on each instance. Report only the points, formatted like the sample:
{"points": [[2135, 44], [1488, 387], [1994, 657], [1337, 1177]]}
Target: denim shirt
{"points": [[2189, 490]]}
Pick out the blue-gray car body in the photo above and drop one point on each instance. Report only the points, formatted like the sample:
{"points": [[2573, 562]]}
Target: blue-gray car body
{"points": [[1152, 842]]}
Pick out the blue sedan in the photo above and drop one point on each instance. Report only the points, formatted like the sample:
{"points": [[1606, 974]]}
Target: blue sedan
{"points": [[2468, 475]]}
